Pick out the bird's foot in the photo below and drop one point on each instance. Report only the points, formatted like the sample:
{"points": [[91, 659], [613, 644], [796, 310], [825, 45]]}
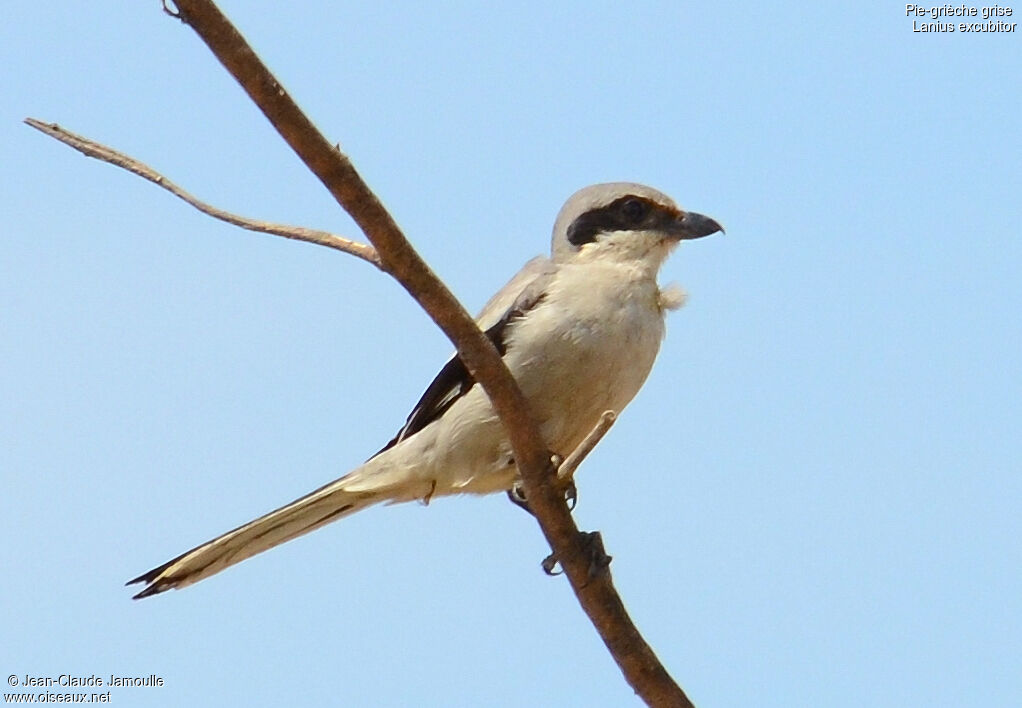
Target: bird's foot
{"points": [[517, 492], [598, 559], [517, 495], [550, 565], [567, 484], [571, 494]]}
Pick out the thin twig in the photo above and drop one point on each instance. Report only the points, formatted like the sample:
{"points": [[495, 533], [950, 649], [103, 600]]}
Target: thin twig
{"points": [[90, 148], [566, 470]]}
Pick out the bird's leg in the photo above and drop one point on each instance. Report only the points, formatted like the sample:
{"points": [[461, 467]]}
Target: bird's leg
{"points": [[566, 484], [566, 466], [517, 492]]}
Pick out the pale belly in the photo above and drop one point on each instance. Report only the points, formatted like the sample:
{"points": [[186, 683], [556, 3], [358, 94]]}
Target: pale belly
{"points": [[587, 367], [581, 352]]}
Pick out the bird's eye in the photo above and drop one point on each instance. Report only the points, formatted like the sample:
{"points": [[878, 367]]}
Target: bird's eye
{"points": [[634, 210]]}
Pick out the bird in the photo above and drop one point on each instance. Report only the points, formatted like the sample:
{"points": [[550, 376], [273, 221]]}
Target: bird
{"points": [[579, 331]]}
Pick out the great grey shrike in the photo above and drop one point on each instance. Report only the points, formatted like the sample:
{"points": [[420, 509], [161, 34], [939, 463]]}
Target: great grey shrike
{"points": [[579, 331]]}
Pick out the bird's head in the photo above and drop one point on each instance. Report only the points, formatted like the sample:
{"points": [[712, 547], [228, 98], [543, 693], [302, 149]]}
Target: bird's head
{"points": [[624, 222]]}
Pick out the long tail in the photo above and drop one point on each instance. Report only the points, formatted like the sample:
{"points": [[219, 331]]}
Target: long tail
{"points": [[330, 502]]}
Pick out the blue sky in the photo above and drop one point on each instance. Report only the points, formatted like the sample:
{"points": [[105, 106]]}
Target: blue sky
{"points": [[815, 500]]}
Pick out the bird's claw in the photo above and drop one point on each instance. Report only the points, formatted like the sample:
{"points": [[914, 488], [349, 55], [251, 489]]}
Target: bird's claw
{"points": [[598, 559], [517, 492], [550, 564], [568, 484], [517, 496], [571, 494]]}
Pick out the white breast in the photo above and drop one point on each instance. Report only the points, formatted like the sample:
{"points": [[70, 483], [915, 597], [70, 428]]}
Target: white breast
{"points": [[587, 347]]}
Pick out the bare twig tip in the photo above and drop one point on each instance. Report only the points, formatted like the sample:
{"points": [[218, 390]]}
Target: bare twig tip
{"points": [[91, 148], [175, 13]]}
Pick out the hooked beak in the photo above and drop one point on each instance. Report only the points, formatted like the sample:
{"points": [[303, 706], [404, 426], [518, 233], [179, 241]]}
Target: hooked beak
{"points": [[692, 225]]}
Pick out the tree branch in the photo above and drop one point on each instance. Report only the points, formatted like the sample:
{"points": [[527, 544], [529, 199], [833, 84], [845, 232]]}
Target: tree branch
{"points": [[91, 148], [573, 549]]}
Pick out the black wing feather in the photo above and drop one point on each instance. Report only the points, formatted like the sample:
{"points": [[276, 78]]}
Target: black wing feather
{"points": [[454, 380]]}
